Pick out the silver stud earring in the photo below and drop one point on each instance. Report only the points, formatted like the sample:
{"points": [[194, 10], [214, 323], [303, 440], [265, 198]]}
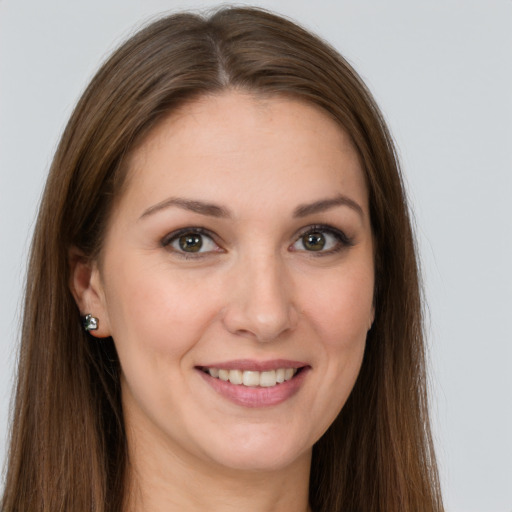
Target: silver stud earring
{"points": [[90, 323]]}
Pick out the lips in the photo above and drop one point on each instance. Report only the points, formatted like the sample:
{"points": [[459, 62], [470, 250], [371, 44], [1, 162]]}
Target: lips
{"points": [[255, 384]]}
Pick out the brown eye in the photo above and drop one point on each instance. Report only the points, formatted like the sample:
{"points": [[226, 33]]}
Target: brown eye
{"points": [[190, 242], [313, 241], [323, 240]]}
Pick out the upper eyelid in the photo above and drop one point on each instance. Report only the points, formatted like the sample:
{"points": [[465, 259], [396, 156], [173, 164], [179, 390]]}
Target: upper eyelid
{"points": [[167, 239], [322, 228]]}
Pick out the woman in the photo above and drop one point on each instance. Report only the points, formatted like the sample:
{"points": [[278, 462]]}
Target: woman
{"points": [[225, 212]]}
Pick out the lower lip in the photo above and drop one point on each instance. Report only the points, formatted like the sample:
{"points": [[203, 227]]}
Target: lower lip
{"points": [[256, 396]]}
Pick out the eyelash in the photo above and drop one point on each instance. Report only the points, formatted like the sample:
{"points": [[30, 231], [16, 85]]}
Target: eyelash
{"points": [[343, 241], [175, 235]]}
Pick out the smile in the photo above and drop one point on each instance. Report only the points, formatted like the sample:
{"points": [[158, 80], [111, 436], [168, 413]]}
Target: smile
{"points": [[265, 379], [255, 384]]}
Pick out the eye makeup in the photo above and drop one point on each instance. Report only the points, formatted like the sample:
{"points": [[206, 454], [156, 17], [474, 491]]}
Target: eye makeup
{"points": [[322, 240], [317, 240]]}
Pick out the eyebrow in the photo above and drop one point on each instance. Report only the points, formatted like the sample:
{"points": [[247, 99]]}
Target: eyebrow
{"points": [[213, 210], [201, 207], [326, 204]]}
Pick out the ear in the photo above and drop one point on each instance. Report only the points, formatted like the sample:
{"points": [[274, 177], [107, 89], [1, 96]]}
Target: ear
{"points": [[87, 288]]}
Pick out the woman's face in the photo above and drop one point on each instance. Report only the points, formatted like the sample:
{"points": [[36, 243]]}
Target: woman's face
{"points": [[237, 281]]}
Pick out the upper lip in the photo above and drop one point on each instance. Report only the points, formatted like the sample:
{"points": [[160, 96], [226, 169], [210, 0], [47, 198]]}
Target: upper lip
{"points": [[254, 365]]}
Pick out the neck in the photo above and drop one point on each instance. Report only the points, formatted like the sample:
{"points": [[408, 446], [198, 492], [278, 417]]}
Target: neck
{"points": [[170, 480]]}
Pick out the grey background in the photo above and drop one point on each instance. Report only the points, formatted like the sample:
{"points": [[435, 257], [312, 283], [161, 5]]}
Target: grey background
{"points": [[442, 73]]}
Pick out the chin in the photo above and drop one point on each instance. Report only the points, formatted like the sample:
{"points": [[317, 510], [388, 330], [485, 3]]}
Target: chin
{"points": [[260, 463], [261, 452]]}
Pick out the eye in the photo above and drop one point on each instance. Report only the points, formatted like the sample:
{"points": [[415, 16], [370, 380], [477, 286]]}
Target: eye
{"points": [[190, 241], [322, 239]]}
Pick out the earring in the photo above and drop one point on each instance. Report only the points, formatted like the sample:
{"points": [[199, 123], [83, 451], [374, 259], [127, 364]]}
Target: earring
{"points": [[90, 323]]}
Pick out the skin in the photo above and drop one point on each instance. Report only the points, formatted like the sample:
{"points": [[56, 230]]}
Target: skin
{"points": [[256, 292]]}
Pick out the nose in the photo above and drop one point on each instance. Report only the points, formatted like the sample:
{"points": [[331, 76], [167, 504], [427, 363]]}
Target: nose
{"points": [[261, 304]]}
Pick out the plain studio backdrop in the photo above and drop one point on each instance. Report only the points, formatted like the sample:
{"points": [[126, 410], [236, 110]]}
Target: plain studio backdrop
{"points": [[441, 72]]}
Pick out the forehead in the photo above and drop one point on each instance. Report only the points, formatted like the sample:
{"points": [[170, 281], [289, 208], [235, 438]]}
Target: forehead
{"points": [[233, 146]]}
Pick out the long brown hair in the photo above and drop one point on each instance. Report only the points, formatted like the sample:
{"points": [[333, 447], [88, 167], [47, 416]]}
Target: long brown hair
{"points": [[68, 448]]}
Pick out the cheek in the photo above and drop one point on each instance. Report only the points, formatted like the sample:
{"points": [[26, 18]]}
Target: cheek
{"points": [[157, 318], [159, 312], [340, 308]]}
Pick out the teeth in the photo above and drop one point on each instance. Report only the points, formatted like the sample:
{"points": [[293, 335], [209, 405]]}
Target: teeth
{"points": [[289, 373], [268, 379], [252, 378], [235, 376]]}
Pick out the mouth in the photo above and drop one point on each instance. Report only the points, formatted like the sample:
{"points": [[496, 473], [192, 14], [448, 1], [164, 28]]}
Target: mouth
{"points": [[255, 384], [253, 378]]}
